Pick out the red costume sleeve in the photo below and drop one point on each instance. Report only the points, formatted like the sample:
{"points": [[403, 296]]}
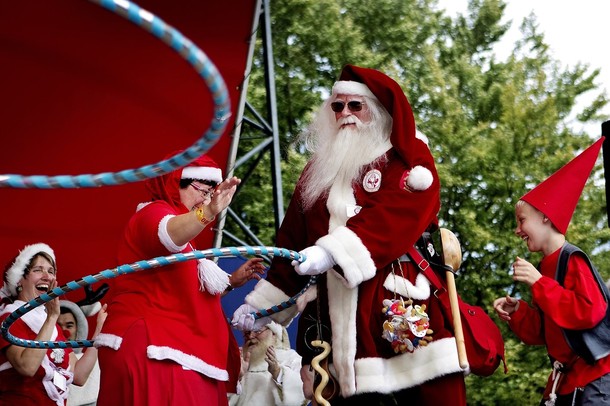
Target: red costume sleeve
{"points": [[577, 305], [527, 325]]}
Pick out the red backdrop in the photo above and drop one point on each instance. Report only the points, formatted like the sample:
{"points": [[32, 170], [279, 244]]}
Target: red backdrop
{"points": [[83, 90]]}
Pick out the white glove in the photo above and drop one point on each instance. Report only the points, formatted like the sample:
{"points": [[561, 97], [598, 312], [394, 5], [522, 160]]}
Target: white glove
{"points": [[317, 261], [244, 320]]}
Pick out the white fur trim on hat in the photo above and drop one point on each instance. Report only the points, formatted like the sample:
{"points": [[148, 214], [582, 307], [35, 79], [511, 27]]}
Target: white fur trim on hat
{"points": [[16, 271], [419, 178], [203, 173], [281, 335], [352, 87], [275, 328]]}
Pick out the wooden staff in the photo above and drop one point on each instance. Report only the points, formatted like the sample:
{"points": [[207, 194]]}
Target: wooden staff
{"points": [[452, 256]]}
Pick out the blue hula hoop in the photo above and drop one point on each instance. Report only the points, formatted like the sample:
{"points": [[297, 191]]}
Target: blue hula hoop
{"points": [[206, 70], [135, 267]]}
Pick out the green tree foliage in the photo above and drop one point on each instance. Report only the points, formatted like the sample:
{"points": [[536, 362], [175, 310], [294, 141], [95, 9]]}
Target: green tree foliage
{"points": [[496, 127]]}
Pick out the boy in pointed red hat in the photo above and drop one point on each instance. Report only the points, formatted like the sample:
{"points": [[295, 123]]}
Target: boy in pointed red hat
{"points": [[570, 301]]}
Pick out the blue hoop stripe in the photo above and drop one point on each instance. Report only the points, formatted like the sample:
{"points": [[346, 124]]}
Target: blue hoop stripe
{"points": [[135, 267], [205, 69], [284, 305]]}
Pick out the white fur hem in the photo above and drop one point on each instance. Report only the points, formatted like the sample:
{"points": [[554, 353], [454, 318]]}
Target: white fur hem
{"points": [[342, 305], [187, 361], [350, 254], [407, 370]]}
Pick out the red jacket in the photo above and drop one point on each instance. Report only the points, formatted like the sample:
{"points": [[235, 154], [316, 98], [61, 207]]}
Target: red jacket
{"points": [[577, 305], [366, 232], [184, 324]]}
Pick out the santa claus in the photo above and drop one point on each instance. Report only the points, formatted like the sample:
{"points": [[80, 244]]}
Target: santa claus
{"points": [[367, 194]]}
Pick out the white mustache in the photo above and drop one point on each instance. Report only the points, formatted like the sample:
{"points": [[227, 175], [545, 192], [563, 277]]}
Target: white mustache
{"points": [[349, 120]]}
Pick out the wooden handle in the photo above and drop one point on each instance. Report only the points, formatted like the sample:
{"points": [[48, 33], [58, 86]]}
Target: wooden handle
{"points": [[457, 320], [315, 362], [452, 257]]}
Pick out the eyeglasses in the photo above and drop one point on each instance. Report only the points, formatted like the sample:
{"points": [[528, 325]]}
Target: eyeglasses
{"points": [[204, 192], [353, 105], [255, 333]]}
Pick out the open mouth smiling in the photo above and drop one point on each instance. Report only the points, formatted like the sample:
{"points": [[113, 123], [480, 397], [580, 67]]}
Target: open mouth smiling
{"points": [[43, 287]]}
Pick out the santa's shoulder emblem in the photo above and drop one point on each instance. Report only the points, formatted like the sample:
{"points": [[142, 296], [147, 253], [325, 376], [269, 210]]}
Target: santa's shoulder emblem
{"points": [[372, 180]]}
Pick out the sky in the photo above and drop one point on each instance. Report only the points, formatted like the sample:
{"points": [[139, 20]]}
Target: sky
{"points": [[575, 31]]}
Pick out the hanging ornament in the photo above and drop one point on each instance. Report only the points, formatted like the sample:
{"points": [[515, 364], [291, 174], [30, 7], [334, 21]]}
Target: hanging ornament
{"points": [[407, 325]]}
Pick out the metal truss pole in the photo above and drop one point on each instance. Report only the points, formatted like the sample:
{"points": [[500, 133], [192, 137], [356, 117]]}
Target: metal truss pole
{"points": [[267, 124]]}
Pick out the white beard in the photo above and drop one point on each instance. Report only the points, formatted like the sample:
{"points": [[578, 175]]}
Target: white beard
{"points": [[342, 155], [258, 351]]}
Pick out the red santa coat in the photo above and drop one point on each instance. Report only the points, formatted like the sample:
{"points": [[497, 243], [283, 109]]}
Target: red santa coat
{"points": [[184, 324], [17, 389], [578, 305], [366, 229]]}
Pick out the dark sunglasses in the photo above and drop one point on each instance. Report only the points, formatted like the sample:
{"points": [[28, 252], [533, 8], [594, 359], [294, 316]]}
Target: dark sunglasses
{"points": [[353, 105]]}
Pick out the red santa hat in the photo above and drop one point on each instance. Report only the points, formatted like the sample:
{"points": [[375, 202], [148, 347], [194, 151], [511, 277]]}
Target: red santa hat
{"points": [[557, 196], [413, 150], [16, 269], [166, 187]]}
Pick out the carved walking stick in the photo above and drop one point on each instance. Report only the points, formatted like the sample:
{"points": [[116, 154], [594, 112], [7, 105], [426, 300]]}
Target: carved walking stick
{"points": [[452, 256]]}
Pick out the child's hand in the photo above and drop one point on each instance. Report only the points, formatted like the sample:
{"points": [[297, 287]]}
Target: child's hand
{"points": [[505, 306], [525, 272]]}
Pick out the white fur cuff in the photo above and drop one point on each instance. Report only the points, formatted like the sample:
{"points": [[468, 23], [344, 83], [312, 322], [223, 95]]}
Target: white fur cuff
{"points": [[350, 254]]}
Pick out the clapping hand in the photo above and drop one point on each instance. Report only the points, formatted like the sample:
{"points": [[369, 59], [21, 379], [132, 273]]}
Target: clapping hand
{"points": [[274, 366]]}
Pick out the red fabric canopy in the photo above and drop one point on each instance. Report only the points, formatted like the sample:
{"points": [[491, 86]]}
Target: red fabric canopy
{"points": [[84, 91]]}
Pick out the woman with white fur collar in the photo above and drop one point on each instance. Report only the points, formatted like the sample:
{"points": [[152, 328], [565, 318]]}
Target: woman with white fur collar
{"points": [[32, 376]]}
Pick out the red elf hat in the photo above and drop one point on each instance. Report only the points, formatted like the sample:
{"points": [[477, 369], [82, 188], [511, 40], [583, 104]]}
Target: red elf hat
{"points": [[558, 195]]}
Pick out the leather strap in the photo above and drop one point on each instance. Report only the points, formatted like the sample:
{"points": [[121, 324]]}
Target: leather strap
{"points": [[424, 267]]}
